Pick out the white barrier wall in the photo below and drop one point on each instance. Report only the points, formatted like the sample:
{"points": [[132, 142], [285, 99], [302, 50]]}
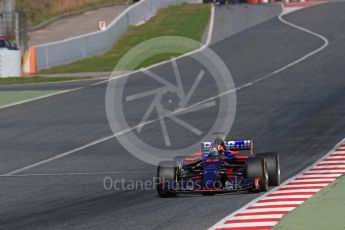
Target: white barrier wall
{"points": [[10, 63], [69, 50]]}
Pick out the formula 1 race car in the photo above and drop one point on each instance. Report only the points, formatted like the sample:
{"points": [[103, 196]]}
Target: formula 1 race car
{"points": [[218, 168]]}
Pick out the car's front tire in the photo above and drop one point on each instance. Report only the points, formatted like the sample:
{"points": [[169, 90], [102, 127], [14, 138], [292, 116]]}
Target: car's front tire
{"points": [[273, 166], [257, 168]]}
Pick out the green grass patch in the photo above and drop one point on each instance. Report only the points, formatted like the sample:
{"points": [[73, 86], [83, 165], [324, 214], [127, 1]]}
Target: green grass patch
{"points": [[11, 97], [29, 80], [39, 11], [325, 210], [183, 20]]}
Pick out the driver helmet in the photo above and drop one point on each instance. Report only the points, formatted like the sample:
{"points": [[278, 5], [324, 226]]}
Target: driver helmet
{"points": [[221, 148], [213, 152]]}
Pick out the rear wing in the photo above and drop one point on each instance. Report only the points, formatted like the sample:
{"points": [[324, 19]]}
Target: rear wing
{"points": [[240, 145]]}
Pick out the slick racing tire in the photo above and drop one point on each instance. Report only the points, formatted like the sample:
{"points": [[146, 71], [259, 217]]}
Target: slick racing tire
{"points": [[273, 166], [166, 171], [257, 168]]}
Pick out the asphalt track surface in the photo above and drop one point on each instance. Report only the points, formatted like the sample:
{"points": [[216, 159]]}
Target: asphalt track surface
{"points": [[298, 112]]}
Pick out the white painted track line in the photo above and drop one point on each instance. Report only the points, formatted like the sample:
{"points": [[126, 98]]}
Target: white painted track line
{"points": [[256, 205], [335, 158], [339, 160], [315, 180], [261, 210], [282, 192], [259, 217], [329, 167], [321, 175], [327, 172], [282, 196], [250, 224]]}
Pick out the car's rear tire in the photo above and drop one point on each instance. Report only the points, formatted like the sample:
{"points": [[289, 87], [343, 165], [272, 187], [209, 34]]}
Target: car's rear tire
{"points": [[273, 166], [257, 168], [166, 171]]}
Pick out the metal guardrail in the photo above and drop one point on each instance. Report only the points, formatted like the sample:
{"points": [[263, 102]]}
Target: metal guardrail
{"points": [[80, 47]]}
